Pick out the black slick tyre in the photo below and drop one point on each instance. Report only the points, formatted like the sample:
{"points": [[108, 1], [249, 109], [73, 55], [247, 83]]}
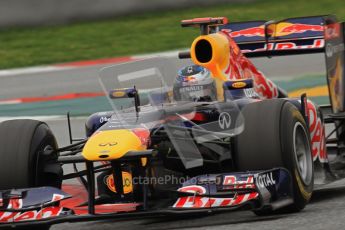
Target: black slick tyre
{"points": [[23, 153], [276, 135]]}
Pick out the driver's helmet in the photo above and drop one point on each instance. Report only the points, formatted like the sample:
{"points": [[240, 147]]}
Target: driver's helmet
{"points": [[194, 83]]}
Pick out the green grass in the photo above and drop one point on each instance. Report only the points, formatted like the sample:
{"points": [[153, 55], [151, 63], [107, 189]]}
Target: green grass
{"points": [[150, 32]]}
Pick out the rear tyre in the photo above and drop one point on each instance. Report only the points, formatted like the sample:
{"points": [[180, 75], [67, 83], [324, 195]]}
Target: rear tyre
{"points": [[276, 133], [25, 161]]}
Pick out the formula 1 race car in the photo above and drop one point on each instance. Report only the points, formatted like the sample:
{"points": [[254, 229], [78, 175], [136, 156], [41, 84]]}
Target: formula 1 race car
{"points": [[218, 137]]}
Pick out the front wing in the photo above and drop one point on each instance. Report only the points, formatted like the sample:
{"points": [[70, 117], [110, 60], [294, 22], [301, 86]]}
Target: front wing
{"points": [[269, 189]]}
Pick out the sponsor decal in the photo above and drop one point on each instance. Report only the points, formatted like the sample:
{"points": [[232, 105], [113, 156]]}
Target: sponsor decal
{"points": [[239, 85], [224, 120], [285, 29], [191, 88], [280, 30], [208, 181], [250, 93], [231, 182], [104, 119], [7, 217], [118, 94], [333, 49], [107, 144], [195, 189], [317, 134], [210, 202], [126, 181], [265, 180], [329, 50], [249, 32], [317, 43]]}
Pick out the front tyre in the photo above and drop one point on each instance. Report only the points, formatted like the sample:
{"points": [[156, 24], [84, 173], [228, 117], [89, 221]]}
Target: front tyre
{"points": [[276, 133], [27, 155]]}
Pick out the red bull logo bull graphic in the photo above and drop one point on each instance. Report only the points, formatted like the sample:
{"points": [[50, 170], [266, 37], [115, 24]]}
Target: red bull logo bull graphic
{"points": [[285, 29], [250, 32], [47, 212], [277, 30]]}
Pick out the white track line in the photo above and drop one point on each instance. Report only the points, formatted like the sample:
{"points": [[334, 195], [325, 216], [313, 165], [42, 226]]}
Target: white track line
{"points": [[53, 68], [168, 54], [42, 118], [31, 70], [10, 102]]}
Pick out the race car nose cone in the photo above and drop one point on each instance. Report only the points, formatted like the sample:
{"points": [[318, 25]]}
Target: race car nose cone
{"points": [[111, 145]]}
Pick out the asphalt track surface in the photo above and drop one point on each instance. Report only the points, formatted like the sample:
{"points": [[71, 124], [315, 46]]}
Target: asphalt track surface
{"points": [[86, 79], [326, 211]]}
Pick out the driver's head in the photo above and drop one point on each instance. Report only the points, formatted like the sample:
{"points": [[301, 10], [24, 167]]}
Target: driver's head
{"points": [[194, 83]]}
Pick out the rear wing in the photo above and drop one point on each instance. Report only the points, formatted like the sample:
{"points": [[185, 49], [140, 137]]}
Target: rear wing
{"points": [[302, 35], [285, 37]]}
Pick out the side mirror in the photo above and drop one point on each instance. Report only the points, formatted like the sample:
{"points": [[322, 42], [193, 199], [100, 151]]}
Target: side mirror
{"points": [[123, 93], [126, 93]]}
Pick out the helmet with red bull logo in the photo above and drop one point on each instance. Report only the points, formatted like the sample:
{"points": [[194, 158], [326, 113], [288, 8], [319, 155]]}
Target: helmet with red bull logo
{"points": [[194, 83]]}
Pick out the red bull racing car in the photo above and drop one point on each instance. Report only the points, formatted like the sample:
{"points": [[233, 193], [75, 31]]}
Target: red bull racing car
{"points": [[223, 137]]}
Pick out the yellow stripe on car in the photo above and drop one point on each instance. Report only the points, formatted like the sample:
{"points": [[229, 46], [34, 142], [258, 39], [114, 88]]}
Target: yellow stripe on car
{"points": [[317, 91]]}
